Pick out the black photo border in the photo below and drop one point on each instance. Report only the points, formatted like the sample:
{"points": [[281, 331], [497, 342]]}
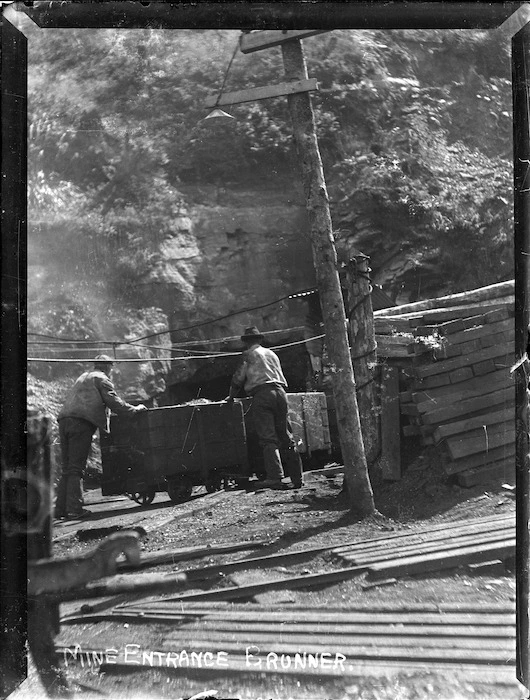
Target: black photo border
{"points": [[244, 15]]}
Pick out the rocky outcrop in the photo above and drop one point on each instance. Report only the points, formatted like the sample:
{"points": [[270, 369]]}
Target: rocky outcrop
{"points": [[247, 251], [226, 252]]}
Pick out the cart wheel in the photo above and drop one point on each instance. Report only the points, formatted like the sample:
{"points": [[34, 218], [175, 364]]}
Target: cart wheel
{"points": [[213, 482], [143, 498], [180, 489]]}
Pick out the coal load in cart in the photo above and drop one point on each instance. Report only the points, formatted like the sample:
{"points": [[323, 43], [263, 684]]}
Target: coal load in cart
{"points": [[173, 449]]}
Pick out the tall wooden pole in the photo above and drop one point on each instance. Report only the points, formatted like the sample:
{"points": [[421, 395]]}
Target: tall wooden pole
{"points": [[325, 261], [521, 141]]}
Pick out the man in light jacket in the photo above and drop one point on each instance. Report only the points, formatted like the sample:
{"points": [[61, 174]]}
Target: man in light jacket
{"points": [[87, 408], [260, 374]]}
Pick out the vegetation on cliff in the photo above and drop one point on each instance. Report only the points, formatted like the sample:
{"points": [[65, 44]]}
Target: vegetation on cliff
{"points": [[414, 129]]}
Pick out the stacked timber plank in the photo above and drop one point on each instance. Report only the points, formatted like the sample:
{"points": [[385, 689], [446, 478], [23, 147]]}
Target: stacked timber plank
{"points": [[443, 546], [461, 394], [396, 327], [394, 336], [475, 640]]}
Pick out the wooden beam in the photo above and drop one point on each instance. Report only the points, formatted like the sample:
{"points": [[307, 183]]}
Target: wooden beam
{"points": [[390, 432], [122, 583], [332, 637], [434, 540], [446, 313], [479, 331], [428, 401], [261, 93], [341, 628], [462, 406], [481, 441], [448, 545], [320, 579], [386, 613], [438, 561], [481, 459], [478, 475], [462, 426], [492, 291], [473, 525], [443, 366], [172, 556], [466, 310], [256, 41]]}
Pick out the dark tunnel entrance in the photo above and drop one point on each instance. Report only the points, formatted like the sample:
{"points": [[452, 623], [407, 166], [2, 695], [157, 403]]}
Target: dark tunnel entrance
{"points": [[212, 380]]}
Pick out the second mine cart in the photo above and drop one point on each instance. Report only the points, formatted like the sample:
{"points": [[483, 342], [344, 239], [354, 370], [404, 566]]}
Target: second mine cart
{"points": [[173, 449]]}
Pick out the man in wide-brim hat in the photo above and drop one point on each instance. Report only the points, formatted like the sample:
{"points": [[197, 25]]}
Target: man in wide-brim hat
{"points": [[260, 375], [86, 408]]}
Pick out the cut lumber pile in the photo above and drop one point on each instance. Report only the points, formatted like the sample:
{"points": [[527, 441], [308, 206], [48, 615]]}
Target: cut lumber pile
{"points": [[441, 547], [391, 342], [445, 546], [400, 331], [461, 395], [474, 640]]}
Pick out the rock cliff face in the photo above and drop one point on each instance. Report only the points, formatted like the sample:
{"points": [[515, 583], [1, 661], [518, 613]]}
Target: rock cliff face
{"points": [[240, 250], [227, 251], [160, 224], [243, 250]]}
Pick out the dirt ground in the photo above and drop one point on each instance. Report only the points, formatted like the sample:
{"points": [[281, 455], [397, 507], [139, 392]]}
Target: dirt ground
{"points": [[317, 515]]}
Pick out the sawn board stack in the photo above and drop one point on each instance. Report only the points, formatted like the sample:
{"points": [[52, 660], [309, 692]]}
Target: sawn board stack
{"points": [[462, 395]]}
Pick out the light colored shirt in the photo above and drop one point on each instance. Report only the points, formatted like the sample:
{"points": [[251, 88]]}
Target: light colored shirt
{"points": [[258, 366], [92, 398]]}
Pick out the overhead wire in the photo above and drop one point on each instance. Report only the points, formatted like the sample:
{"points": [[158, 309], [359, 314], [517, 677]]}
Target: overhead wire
{"points": [[161, 359], [292, 295], [173, 346]]}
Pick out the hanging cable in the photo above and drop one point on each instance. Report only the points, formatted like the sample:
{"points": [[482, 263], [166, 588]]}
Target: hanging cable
{"points": [[179, 359], [172, 330], [173, 346]]}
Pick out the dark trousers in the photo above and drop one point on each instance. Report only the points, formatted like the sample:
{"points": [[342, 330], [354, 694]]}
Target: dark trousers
{"points": [[75, 435], [270, 415]]}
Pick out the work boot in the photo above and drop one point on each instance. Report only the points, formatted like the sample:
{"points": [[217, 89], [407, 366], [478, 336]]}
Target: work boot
{"points": [[293, 466], [82, 515], [270, 484]]}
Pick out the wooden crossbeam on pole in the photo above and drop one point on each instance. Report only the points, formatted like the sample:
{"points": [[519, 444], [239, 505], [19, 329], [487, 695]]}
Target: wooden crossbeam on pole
{"points": [[256, 41], [262, 93]]}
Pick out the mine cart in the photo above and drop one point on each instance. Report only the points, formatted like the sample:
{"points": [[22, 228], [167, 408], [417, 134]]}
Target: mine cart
{"points": [[173, 449]]}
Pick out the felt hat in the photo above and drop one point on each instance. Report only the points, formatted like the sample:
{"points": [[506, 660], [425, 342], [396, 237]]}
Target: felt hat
{"points": [[103, 360], [252, 333]]}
